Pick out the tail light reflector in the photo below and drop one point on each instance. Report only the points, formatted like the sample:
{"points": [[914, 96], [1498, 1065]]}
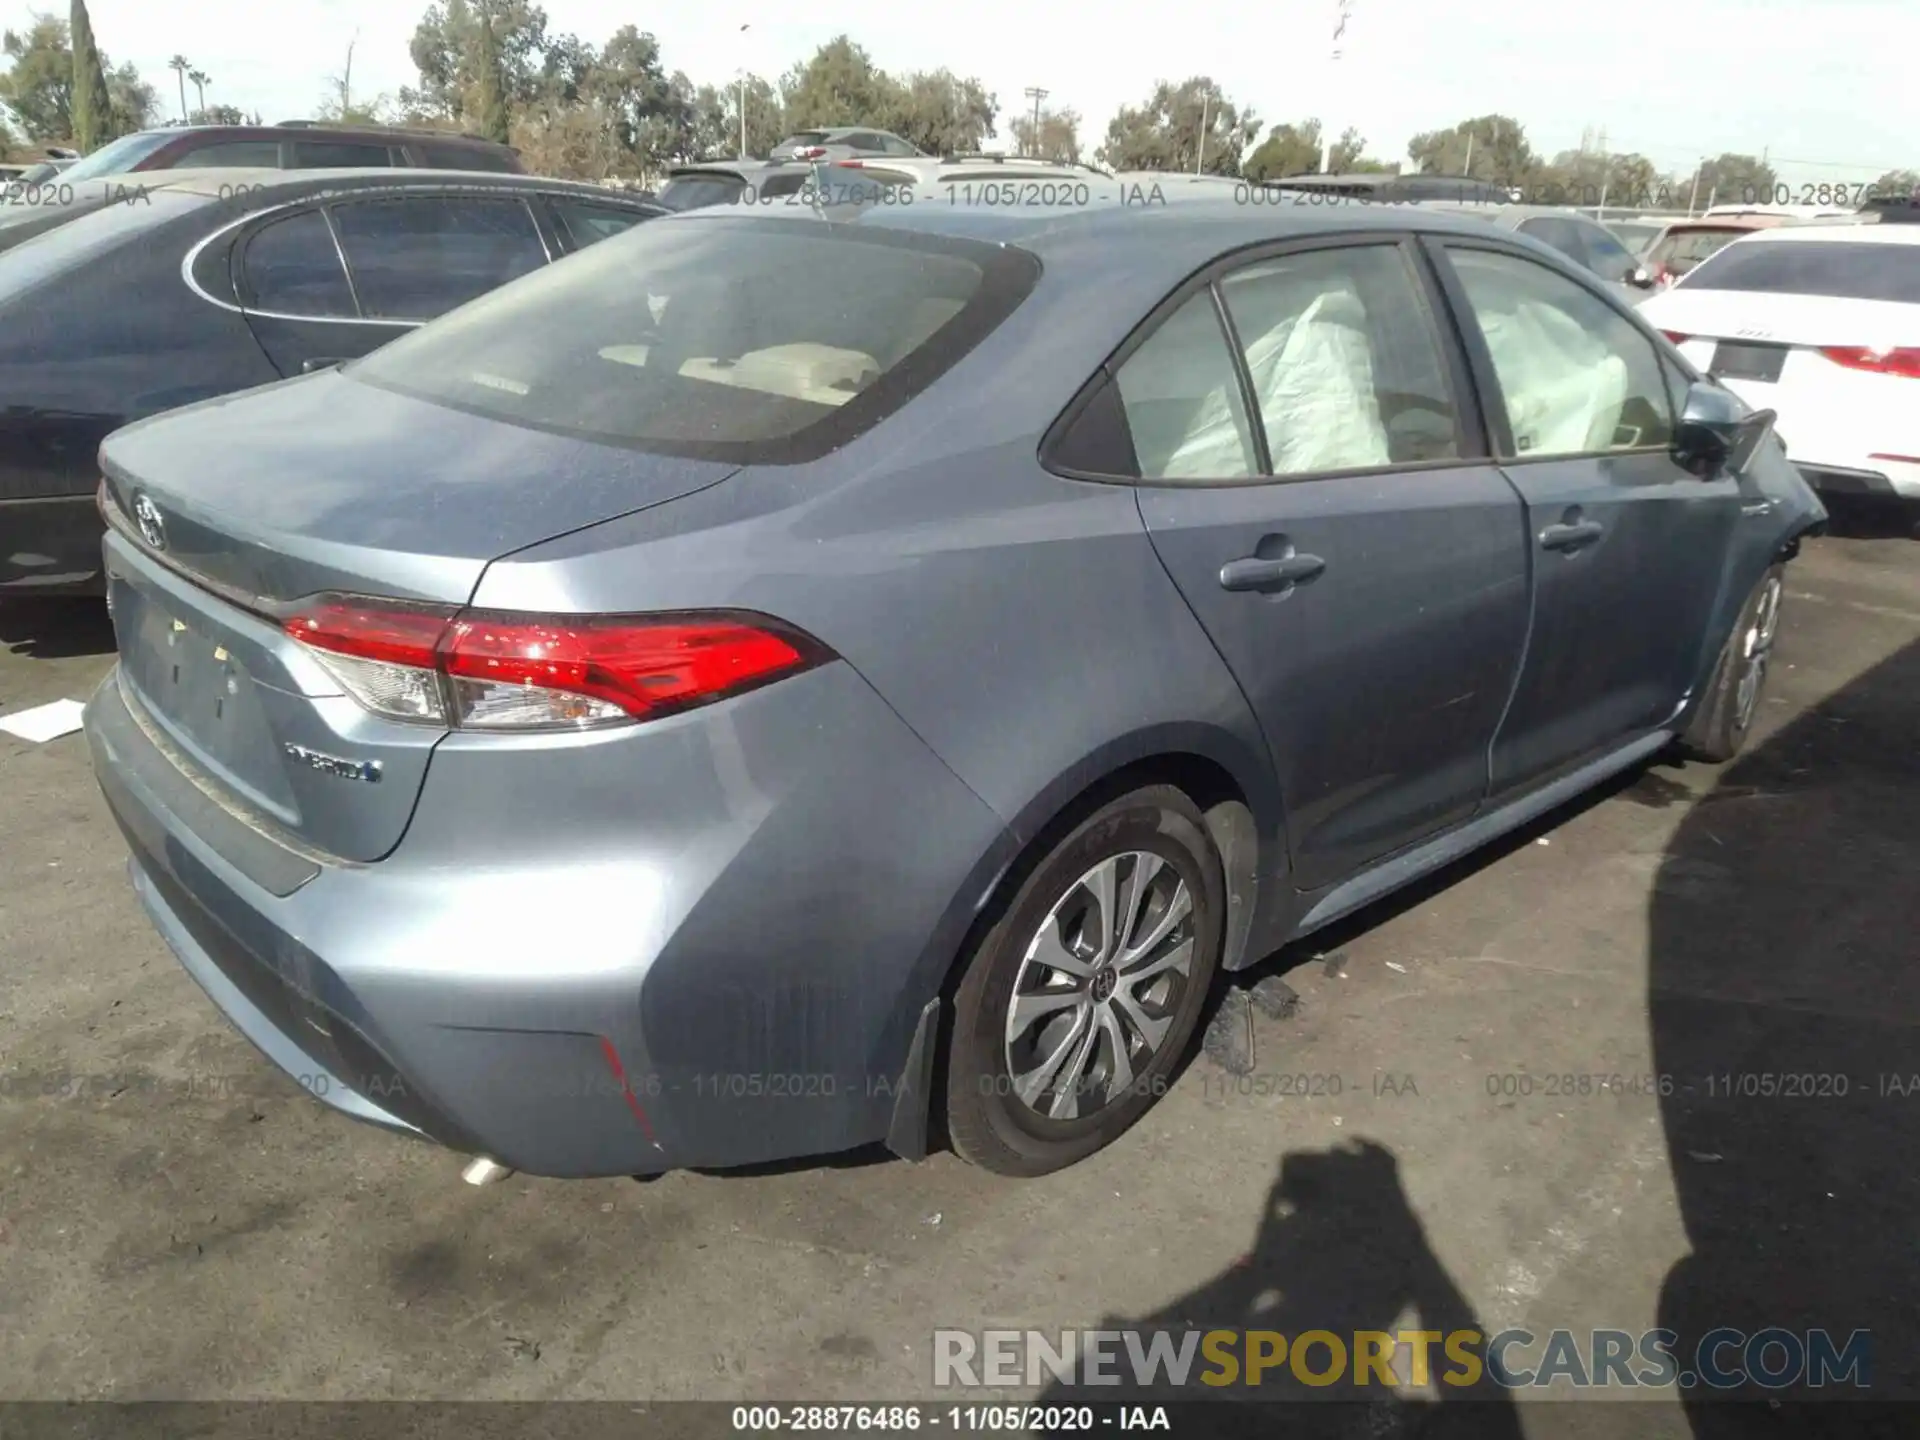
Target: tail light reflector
{"points": [[1676, 337], [1903, 361], [485, 670]]}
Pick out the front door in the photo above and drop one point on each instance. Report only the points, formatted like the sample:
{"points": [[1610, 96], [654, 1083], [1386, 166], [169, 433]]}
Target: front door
{"points": [[1313, 483], [1628, 547]]}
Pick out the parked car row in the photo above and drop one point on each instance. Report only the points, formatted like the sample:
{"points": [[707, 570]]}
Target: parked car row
{"points": [[577, 731], [212, 281]]}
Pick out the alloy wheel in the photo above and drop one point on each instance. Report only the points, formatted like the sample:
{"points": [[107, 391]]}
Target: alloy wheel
{"points": [[1099, 986], [1756, 648]]}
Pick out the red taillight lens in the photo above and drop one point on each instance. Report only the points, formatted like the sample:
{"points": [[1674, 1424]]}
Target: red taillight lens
{"points": [[1903, 361], [1676, 337], [614, 668], [484, 670]]}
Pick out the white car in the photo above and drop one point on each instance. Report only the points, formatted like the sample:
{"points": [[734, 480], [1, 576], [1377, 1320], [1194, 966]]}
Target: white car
{"points": [[1820, 323]]}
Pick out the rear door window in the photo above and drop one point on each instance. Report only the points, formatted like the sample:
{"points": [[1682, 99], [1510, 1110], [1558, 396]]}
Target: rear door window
{"points": [[1182, 398], [1681, 251], [418, 257], [338, 155], [587, 223], [486, 158], [291, 267], [1835, 269], [1345, 360], [247, 154]]}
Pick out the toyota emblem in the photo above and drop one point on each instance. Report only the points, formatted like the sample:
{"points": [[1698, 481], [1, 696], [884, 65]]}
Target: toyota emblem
{"points": [[146, 515]]}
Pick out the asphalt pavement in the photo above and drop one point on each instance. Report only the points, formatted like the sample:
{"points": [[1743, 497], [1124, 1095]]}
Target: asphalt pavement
{"points": [[178, 1221]]}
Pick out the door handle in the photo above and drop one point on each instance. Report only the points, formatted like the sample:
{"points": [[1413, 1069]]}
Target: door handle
{"points": [[1571, 535], [1280, 573]]}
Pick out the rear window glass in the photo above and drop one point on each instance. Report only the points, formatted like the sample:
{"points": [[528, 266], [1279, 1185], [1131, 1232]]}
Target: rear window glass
{"points": [[694, 338], [1835, 269], [1684, 249], [113, 159], [696, 192], [469, 157], [87, 237]]}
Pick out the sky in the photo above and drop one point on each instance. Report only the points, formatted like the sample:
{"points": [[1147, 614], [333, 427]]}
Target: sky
{"points": [[1823, 87]]}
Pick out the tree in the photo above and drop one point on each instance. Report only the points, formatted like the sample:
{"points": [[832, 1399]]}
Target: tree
{"points": [[1057, 138], [38, 85], [446, 51], [232, 115], [840, 85], [1295, 150], [1734, 179], [90, 114], [132, 102], [1489, 147], [179, 65], [716, 119], [1589, 178], [1170, 133], [491, 93], [939, 112], [651, 116], [200, 80], [1904, 183]]}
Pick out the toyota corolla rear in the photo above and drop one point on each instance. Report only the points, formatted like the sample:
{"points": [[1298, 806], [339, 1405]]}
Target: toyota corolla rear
{"points": [[1822, 325], [525, 883]]}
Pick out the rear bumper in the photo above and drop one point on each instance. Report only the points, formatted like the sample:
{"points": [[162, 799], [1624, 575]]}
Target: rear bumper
{"points": [[741, 983], [1837, 480], [50, 546]]}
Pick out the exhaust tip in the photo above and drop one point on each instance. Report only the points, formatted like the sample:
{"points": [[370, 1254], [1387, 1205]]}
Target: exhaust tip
{"points": [[484, 1171]]}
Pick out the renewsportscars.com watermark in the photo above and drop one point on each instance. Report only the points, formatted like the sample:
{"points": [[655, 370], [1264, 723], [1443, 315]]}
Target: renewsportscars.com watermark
{"points": [[1724, 1359]]}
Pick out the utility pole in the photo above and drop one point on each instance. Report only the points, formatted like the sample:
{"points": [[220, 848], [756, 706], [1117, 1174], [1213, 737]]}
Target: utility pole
{"points": [[1200, 154], [743, 102], [1035, 94], [1695, 195], [1343, 12]]}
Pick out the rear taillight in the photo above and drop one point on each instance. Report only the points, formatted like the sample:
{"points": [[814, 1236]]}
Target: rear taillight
{"points": [[482, 670], [1903, 361], [1676, 337]]}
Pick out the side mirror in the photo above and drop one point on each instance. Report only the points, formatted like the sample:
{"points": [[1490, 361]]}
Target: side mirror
{"points": [[1718, 433], [1641, 277]]}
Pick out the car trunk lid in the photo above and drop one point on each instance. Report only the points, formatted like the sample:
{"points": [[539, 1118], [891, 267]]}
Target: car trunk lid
{"points": [[227, 512]]}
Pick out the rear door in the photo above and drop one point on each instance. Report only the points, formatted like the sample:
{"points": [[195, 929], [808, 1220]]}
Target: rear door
{"points": [[1313, 479], [298, 300], [328, 284], [1628, 549]]}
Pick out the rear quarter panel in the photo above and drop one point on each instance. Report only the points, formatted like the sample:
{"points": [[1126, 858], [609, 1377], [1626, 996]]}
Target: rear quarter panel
{"points": [[1019, 623]]}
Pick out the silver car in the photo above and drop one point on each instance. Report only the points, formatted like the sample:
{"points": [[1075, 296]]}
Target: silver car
{"points": [[773, 683]]}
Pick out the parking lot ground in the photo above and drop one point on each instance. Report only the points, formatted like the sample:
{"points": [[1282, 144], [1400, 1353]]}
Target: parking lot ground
{"points": [[1456, 1125]]}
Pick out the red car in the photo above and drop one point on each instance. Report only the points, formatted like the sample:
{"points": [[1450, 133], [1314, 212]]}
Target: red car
{"points": [[296, 145]]}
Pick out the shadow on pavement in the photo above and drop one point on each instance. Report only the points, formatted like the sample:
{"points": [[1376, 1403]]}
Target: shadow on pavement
{"points": [[1338, 1249], [55, 629], [1784, 992]]}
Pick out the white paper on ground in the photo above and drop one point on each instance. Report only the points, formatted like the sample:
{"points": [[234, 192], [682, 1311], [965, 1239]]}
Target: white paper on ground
{"points": [[44, 722]]}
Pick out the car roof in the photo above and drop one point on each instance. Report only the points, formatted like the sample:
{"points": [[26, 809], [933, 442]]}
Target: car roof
{"points": [[222, 182], [1847, 231], [324, 130], [1164, 240]]}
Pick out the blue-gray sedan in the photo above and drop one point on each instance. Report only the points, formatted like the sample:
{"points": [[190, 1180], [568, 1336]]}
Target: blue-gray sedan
{"points": [[784, 680]]}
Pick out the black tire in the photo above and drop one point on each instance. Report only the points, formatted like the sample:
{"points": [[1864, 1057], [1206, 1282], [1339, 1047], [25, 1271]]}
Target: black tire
{"points": [[1722, 723], [987, 1122]]}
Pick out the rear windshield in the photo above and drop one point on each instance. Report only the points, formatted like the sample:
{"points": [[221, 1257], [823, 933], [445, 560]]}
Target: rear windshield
{"points": [[116, 158], [1835, 269], [1684, 249], [696, 192], [25, 266], [727, 337]]}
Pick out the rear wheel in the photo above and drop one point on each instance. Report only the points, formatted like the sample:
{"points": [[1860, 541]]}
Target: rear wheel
{"points": [[1732, 701], [1079, 1003]]}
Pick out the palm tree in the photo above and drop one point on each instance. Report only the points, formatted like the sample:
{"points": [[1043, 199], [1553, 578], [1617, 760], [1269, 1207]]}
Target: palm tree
{"points": [[180, 65], [200, 80]]}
